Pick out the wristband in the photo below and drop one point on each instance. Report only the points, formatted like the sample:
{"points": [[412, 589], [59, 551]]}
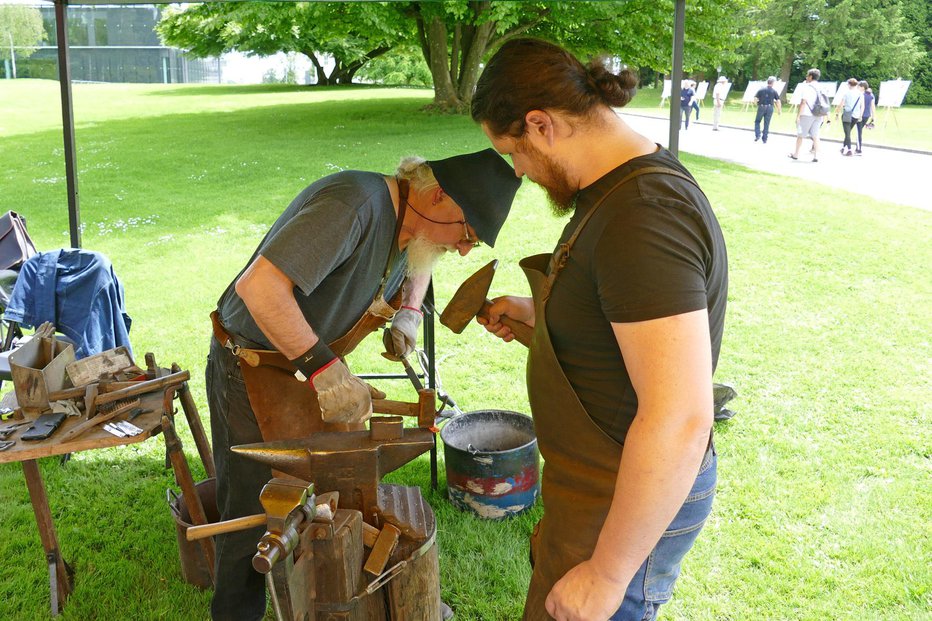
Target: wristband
{"points": [[416, 310], [313, 360]]}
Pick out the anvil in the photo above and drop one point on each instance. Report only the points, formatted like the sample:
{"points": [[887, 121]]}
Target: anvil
{"points": [[349, 462]]}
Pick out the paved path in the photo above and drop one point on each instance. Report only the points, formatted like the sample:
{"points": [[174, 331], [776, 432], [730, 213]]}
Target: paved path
{"points": [[888, 174]]}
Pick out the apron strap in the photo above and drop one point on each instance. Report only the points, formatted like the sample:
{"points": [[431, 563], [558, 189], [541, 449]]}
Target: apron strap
{"points": [[562, 253]]}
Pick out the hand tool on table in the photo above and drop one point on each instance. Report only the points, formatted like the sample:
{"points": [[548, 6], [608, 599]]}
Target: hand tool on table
{"points": [[8, 430], [470, 301], [7, 444], [101, 417]]}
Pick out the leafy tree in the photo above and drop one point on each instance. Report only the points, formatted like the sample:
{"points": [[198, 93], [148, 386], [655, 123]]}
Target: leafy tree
{"points": [[864, 38], [457, 35], [918, 15], [454, 36], [352, 33], [404, 66], [20, 31]]}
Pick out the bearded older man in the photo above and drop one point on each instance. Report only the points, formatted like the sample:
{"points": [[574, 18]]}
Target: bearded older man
{"points": [[328, 273]]}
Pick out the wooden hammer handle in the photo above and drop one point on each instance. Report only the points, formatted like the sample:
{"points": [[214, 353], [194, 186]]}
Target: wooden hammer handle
{"points": [[144, 387], [193, 533], [521, 330]]}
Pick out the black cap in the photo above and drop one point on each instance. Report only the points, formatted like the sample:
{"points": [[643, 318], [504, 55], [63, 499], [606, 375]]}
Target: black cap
{"points": [[483, 184]]}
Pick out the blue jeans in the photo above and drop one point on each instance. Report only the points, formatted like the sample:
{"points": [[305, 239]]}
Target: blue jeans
{"points": [[763, 113], [239, 590], [652, 585]]}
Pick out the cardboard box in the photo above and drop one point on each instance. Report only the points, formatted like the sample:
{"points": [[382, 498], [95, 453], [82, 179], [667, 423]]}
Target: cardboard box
{"points": [[38, 368]]}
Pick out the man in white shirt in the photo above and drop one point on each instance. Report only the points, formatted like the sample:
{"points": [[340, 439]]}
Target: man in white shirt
{"points": [[807, 124], [719, 92]]}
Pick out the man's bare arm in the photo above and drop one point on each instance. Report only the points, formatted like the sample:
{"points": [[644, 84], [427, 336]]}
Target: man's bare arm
{"points": [[669, 362], [269, 295]]}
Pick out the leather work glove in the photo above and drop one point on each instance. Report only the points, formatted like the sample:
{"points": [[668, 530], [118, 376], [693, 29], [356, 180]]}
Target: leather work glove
{"points": [[401, 339], [343, 397]]}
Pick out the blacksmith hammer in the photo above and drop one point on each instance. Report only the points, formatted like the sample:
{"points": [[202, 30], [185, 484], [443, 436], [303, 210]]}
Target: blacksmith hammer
{"points": [[470, 301]]}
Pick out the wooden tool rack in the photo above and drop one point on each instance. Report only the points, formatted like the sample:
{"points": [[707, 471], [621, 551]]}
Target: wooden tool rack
{"points": [[158, 416]]}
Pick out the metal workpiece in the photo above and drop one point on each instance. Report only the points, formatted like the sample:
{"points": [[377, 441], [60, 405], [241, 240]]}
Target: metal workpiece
{"points": [[349, 462]]}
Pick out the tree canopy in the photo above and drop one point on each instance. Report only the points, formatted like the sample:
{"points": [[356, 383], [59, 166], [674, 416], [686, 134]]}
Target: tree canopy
{"points": [[753, 38], [20, 31], [843, 38]]}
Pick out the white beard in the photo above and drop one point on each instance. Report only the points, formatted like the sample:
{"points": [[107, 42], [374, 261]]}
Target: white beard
{"points": [[423, 255]]}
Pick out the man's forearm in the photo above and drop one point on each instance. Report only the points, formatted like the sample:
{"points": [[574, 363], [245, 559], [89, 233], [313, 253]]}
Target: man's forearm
{"points": [[415, 288], [658, 467], [269, 296]]}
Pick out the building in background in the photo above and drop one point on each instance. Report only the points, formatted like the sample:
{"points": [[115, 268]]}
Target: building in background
{"points": [[115, 43]]}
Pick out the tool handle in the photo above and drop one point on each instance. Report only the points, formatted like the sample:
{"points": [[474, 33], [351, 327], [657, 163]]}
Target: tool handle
{"points": [[521, 330], [193, 533], [143, 387]]}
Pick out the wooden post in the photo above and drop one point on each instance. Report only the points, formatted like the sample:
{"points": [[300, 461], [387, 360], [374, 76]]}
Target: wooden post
{"points": [[184, 479], [62, 586], [194, 423]]}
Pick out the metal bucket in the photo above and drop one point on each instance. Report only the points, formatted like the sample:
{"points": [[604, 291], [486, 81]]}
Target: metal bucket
{"points": [[194, 568], [492, 464]]}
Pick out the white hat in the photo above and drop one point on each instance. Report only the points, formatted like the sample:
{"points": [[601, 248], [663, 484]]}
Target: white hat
{"points": [[722, 78]]}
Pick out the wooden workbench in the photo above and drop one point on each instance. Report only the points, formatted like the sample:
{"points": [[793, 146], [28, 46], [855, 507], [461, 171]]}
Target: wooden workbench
{"points": [[158, 417]]}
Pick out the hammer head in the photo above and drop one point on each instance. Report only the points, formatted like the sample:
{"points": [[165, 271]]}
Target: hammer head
{"points": [[469, 298]]}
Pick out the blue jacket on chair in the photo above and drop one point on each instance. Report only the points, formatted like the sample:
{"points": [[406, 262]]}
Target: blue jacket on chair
{"points": [[78, 292]]}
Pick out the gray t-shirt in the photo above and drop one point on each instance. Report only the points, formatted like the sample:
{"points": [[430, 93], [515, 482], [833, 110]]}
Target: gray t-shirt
{"points": [[332, 241]]}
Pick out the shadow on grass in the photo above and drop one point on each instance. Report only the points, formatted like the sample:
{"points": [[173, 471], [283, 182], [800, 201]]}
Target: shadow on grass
{"points": [[259, 89]]}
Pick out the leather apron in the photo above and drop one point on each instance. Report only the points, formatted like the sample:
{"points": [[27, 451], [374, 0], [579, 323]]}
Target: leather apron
{"points": [[285, 407], [580, 460]]}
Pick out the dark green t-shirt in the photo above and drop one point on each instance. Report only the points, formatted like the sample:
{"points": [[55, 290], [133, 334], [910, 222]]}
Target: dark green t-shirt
{"points": [[653, 249], [332, 241]]}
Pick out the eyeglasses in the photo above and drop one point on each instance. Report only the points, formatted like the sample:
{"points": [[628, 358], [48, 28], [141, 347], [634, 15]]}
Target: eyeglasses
{"points": [[467, 240]]}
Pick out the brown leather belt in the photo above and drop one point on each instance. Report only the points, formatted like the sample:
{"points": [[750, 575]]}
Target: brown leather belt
{"points": [[252, 357]]}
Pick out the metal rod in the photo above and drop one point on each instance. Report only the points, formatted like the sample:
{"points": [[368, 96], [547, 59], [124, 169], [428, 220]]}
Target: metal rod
{"points": [[67, 117], [676, 78]]}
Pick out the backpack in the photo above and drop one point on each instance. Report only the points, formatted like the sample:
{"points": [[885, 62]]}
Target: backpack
{"points": [[821, 106]]}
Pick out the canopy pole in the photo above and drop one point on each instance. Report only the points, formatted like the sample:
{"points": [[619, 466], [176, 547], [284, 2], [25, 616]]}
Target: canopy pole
{"points": [[679, 30], [67, 116]]}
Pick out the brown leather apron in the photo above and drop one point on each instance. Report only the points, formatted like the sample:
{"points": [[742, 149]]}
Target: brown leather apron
{"points": [[580, 460], [286, 408]]}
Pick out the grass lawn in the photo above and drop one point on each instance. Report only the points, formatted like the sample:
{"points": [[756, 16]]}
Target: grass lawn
{"points": [[908, 127], [824, 508]]}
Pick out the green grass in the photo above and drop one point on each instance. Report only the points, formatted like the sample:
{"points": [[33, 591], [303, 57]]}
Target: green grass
{"points": [[909, 127], [824, 505]]}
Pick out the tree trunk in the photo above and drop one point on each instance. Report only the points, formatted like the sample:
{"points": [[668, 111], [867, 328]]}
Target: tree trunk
{"points": [[472, 58], [785, 73], [322, 79], [445, 96]]}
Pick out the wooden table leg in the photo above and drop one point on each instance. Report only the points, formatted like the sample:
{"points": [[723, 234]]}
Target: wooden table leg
{"points": [[60, 580], [186, 481], [194, 424]]}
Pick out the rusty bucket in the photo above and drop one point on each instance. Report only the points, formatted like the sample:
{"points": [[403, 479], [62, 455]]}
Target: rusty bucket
{"points": [[194, 567], [492, 463]]}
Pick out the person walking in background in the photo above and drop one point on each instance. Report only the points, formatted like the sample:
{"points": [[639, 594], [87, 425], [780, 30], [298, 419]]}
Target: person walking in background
{"points": [[719, 92], [869, 110], [808, 124], [687, 94], [850, 108], [695, 104], [766, 98]]}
